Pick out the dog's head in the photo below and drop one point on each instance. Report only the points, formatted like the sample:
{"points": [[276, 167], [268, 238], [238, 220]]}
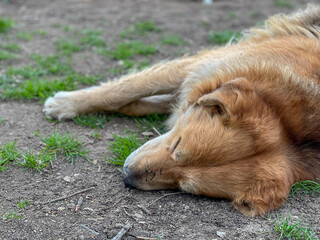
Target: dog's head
{"points": [[213, 147]]}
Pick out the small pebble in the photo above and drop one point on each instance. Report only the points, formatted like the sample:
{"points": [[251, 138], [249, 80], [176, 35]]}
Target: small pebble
{"points": [[69, 179], [221, 234], [47, 193], [138, 215], [147, 134], [89, 209], [77, 175], [70, 206]]}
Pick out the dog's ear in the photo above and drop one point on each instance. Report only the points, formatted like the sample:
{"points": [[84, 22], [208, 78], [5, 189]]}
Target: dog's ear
{"points": [[211, 100], [228, 97]]}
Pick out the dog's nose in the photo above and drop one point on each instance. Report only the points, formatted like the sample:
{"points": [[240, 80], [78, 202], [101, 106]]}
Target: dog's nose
{"points": [[127, 177], [127, 173]]}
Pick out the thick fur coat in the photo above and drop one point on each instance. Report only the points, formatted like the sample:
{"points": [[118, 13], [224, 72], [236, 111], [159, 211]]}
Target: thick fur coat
{"points": [[245, 122]]}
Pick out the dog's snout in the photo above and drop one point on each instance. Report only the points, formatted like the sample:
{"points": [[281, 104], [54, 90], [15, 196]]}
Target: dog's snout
{"points": [[127, 177]]}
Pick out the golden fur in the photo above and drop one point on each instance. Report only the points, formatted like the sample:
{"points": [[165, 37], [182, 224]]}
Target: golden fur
{"points": [[246, 118]]}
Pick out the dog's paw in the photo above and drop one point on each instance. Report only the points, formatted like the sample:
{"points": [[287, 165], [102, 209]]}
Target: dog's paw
{"points": [[61, 106]]}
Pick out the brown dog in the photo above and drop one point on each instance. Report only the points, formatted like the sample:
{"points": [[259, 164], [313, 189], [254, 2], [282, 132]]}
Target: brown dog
{"points": [[246, 121]]}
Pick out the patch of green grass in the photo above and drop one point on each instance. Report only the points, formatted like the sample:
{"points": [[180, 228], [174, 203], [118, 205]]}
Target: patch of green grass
{"points": [[1, 120], [223, 37], [57, 25], [23, 203], [45, 77], [255, 14], [56, 144], [8, 152], [35, 161], [11, 47], [67, 46], [105, 50], [56, 121], [91, 38], [127, 33], [5, 81], [232, 14], [122, 147], [27, 72], [37, 89], [42, 32], [5, 24], [283, 3], [33, 73], [146, 123], [96, 135], [10, 215], [65, 144], [55, 64], [116, 70], [86, 79], [291, 230], [24, 35], [146, 26], [260, 23], [5, 55], [126, 50], [92, 120], [306, 187], [172, 40], [142, 64], [67, 28], [125, 65], [140, 29], [205, 23], [128, 65]]}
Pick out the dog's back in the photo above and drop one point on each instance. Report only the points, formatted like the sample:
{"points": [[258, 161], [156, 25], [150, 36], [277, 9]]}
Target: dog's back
{"points": [[301, 112], [304, 22]]}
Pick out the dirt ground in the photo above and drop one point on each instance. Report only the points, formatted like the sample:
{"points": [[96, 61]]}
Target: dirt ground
{"points": [[109, 205]]}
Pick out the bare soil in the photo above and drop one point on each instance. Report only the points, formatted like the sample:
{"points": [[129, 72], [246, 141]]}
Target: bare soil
{"points": [[109, 206]]}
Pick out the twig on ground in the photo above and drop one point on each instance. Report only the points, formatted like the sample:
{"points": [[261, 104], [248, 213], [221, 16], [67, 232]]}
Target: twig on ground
{"points": [[140, 237], [122, 232], [156, 130], [92, 231], [51, 164], [145, 210], [128, 214], [145, 238], [63, 198], [79, 203], [165, 195]]}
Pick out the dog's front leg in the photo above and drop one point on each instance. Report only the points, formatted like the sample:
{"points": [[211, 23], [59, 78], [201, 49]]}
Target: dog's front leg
{"points": [[162, 78]]}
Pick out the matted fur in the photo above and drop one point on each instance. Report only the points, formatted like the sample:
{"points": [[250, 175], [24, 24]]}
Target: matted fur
{"points": [[245, 122]]}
